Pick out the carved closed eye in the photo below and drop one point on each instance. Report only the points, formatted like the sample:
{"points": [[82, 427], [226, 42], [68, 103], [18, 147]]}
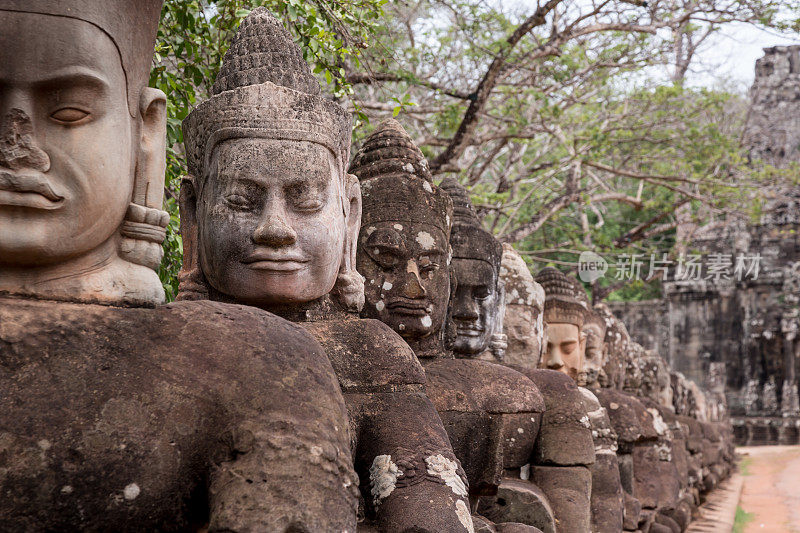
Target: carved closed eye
{"points": [[69, 115], [481, 293], [385, 247]]}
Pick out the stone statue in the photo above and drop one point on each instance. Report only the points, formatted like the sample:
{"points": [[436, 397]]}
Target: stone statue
{"points": [[564, 315], [523, 320], [271, 219], [188, 416], [78, 223], [560, 472], [596, 352], [404, 254]]}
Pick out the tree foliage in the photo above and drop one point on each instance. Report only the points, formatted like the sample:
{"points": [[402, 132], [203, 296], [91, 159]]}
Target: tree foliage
{"points": [[570, 122]]}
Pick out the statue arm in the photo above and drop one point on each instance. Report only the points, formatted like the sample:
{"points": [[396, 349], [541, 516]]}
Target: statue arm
{"points": [[410, 476], [281, 474]]}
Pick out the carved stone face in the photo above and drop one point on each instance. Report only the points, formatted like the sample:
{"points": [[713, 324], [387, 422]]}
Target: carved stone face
{"points": [[595, 356], [66, 141], [271, 225], [475, 308], [525, 331], [408, 280], [565, 346]]}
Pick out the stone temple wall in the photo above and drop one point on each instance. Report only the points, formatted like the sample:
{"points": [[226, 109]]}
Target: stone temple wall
{"points": [[750, 326]]}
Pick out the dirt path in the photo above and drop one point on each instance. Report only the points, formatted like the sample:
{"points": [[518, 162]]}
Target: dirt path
{"points": [[772, 488]]}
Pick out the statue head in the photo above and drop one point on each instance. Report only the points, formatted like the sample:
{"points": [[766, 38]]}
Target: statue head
{"points": [[632, 381], [82, 151], [523, 322], [269, 215], [403, 248], [594, 327], [564, 315], [475, 312], [616, 342], [656, 380]]}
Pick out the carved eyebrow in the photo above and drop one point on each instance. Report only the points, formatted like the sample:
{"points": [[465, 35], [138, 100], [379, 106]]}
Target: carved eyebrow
{"points": [[72, 76]]}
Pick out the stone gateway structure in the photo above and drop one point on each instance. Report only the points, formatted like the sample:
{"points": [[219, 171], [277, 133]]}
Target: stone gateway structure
{"points": [[738, 337]]}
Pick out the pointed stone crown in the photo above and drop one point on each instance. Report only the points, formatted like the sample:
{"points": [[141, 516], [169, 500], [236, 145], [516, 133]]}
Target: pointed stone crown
{"points": [[521, 289], [396, 183], [265, 90], [261, 51], [469, 240], [561, 306], [390, 152]]}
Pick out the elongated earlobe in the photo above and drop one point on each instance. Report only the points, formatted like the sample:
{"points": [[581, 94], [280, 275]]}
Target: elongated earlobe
{"points": [[348, 291], [144, 228], [192, 282]]}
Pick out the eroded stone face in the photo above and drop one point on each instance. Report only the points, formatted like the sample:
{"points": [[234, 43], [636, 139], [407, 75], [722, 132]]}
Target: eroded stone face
{"points": [[564, 349], [475, 308], [595, 354], [65, 173], [68, 156], [408, 281], [271, 223]]}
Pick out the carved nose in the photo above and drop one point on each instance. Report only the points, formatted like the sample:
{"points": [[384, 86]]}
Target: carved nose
{"points": [[274, 231], [554, 360], [18, 148], [413, 286], [466, 309]]}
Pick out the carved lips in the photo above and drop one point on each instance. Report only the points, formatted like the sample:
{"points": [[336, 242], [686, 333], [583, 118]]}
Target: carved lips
{"points": [[275, 262], [468, 329], [28, 190], [409, 307]]}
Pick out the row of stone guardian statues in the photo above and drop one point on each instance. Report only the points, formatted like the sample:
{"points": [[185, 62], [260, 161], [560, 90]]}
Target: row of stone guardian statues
{"points": [[350, 349]]}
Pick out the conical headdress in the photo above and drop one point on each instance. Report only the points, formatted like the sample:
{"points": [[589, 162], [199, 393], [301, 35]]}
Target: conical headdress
{"points": [[469, 240], [396, 183], [265, 90], [561, 306]]}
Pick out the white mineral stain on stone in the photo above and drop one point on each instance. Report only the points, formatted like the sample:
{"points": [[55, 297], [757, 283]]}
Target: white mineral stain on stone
{"points": [[462, 512], [44, 444], [408, 167], [425, 240], [520, 431], [66, 489], [131, 492], [398, 227], [426, 321], [380, 305], [427, 187], [316, 451], [447, 470], [387, 286], [401, 327], [525, 472], [659, 425], [383, 476], [614, 406], [370, 230], [585, 422]]}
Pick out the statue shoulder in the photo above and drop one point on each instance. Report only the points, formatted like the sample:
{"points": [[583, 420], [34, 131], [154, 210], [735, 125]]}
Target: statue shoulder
{"points": [[565, 437], [367, 355], [472, 385]]}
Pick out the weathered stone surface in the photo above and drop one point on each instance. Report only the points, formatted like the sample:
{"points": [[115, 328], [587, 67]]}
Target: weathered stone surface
{"points": [[152, 419], [565, 437], [569, 490], [523, 321], [519, 501]]}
